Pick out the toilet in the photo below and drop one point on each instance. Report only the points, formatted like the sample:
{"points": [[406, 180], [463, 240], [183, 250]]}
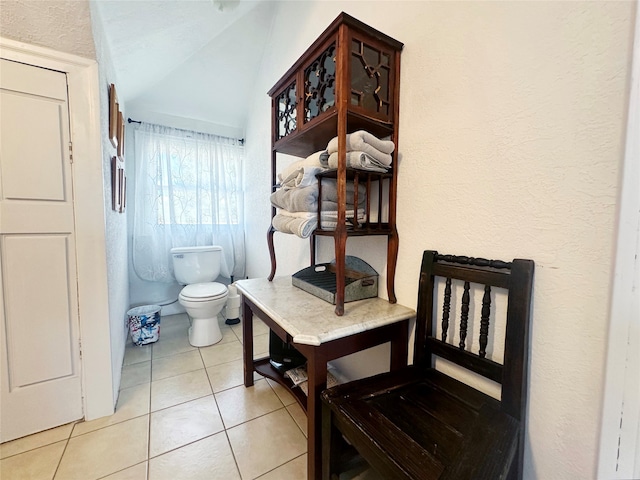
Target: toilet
{"points": [[197, 268]]}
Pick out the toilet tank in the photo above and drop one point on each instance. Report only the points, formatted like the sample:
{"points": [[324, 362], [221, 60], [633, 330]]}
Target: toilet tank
{"points": [[196, 264]]}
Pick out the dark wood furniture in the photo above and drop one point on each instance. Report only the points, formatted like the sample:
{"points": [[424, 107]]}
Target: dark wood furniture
{"points": [[310, 324], [419, 423], [348, 80]]}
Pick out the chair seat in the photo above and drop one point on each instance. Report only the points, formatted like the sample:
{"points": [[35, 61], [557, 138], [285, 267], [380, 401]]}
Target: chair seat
{"points": [[421, 424]]}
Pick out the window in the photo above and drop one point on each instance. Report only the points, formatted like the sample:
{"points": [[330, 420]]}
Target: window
{"points": [[187, 192]]}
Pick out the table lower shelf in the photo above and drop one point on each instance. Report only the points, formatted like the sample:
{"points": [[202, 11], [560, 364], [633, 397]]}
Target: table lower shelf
{"points": [[264, 368]]}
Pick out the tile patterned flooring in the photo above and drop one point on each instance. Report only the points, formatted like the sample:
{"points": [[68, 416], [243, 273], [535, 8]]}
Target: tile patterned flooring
{"points": [[182, 413]]}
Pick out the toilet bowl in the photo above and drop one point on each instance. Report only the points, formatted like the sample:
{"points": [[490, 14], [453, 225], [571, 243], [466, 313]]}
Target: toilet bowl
{"points": [[202, 298], [203, 302]]}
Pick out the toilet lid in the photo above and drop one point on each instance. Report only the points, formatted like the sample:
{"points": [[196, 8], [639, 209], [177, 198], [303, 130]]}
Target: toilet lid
{"points": [[203, 291]]}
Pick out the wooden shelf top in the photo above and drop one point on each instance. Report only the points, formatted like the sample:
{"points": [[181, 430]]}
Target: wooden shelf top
{"points": [[314, 135]]}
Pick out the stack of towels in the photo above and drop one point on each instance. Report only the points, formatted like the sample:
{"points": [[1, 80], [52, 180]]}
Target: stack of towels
{"points": [[364, 151], [297, 199], [298, 196]]}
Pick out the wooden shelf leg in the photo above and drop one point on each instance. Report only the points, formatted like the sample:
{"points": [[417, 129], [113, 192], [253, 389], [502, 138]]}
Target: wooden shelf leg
{"points": [[392, 260], [312, 250], [272, 252], [340, 239]]}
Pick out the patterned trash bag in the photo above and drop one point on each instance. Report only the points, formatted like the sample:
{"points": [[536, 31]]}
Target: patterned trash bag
{"points": [[144, 324]]}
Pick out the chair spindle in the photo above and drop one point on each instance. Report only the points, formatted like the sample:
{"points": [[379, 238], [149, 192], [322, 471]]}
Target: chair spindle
{"points": [[484, 320], [446, 308], [464, 317]]}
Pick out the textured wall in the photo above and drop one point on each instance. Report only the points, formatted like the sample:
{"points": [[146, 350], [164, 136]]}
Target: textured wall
{"points": [[115, 223], [511, 140], [62, 25]]}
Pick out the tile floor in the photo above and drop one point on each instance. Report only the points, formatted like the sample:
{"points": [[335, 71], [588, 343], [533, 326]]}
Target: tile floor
{"points": [[182, 413]]}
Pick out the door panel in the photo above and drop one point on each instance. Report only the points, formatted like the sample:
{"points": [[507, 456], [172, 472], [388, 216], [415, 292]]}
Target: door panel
{"points": [[38, 350], [39, 329], [30, 80], [43, 159]]}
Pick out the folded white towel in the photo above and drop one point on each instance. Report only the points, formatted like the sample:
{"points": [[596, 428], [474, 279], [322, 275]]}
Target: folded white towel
{"points": [[328, 215], [305, 199], [333, 214], [303, 224], [356, 140], [363, 141], [329, 220], [362, 161], [301, 177], [287, 213], [302, 227], [312, 160]]}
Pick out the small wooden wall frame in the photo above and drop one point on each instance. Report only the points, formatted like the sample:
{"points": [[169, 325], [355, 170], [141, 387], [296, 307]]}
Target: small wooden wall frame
{"points": [[120, 136], [113, 116], [123, 191], [115, 194], [118, 185]]}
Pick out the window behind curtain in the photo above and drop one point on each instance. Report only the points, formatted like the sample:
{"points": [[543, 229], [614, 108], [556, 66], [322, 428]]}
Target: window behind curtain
{"points": [[191, 186], [188, 192]]}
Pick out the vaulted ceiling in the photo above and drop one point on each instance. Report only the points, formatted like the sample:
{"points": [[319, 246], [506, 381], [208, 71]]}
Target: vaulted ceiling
{"points": [[187, 58]]}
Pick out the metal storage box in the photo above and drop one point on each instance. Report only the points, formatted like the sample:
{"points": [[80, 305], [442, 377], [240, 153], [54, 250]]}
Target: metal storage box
{"points": [[361, 280]]}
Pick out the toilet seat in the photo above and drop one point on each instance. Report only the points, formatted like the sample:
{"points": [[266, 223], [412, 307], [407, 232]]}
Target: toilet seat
{"points": [[203, 292]]}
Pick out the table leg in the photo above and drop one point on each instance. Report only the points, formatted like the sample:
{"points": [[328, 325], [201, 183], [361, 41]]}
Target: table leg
{"points": [[400, 346], [317, 377], [247, 343]]}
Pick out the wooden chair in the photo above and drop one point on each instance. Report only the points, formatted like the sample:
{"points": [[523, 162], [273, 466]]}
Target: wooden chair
{"points": [[420, 423]]}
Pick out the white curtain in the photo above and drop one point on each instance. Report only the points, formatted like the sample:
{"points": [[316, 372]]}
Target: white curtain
{"points": [[188, 192]]}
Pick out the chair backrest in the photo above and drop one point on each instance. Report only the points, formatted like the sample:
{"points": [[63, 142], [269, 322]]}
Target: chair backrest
{"points": [[517, 278]]}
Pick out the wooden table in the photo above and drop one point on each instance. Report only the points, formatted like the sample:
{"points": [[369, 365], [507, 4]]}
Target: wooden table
{"points": [[311, 325]]}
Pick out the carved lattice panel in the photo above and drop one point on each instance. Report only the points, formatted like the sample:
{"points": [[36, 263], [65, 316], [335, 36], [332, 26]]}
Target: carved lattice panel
{"points": [[286, 111], [370, 77], [319, 84]]}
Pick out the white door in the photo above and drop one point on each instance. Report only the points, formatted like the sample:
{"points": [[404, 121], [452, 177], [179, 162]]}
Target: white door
{"points": [[39, 328]]}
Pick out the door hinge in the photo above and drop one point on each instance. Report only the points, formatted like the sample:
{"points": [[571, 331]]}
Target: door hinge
{"points": [[71, 152]]}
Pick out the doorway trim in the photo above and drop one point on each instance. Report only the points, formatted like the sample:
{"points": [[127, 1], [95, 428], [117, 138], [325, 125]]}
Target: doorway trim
{"points": [[88, 188], [619, 455]]}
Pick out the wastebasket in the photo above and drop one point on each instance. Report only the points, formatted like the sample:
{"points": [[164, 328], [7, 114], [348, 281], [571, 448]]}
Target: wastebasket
{"points": [[232, 309], [144, 324]]}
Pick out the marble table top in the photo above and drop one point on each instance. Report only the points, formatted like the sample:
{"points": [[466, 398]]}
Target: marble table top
{"points": [[312, 321]]}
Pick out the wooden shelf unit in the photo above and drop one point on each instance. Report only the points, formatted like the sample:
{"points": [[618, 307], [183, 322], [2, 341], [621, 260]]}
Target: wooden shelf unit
{"points": [[347, 80]]}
